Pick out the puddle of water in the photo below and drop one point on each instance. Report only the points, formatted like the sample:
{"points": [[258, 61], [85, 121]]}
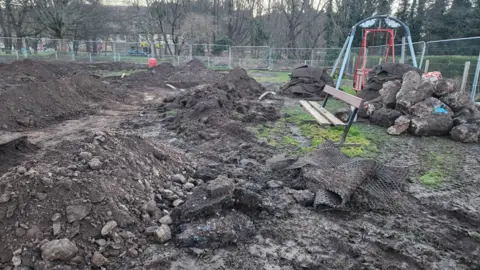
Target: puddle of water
{"points": [[297, 135]]}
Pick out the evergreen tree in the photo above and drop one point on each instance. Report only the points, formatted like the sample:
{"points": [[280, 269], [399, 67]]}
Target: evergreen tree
{"points": [[402, 12]]}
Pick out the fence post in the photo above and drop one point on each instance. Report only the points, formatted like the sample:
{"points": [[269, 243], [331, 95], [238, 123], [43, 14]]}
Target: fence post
{"points": [[178, 60], [465, 76], [427, 64], [114, 53], [16, 53], [73, 56], [90, 54], [208, 61], [229, 56], [269, 58], [402, 55], [475, 80], [311, 57], [423, 54], [118, 57], [56, 55], [191, 52]]}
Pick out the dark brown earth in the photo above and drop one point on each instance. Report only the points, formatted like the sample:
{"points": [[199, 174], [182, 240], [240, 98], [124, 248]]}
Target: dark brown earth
{"points": [[150, 177]]}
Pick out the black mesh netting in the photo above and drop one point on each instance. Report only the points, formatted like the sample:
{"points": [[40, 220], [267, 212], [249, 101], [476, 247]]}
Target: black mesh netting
{"points": [[342, 182]]}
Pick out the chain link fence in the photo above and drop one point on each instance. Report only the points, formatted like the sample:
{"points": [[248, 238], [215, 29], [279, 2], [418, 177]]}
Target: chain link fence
{"points": [[447, 56]]}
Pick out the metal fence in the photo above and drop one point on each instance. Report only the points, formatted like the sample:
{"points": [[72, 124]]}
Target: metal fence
{"points": [[447, 56]]}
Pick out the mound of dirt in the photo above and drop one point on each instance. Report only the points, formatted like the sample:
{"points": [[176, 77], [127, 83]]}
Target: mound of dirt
{"points": [[216, 110], [89, 201], [195, 71], [47, 98], [27, 70]]}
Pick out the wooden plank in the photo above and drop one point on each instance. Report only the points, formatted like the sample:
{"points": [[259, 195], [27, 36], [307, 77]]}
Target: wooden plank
{"points": [[465, 76], [320, 119], [330, 117], [350, 99]]}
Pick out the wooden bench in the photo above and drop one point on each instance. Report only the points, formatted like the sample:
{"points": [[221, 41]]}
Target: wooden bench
{"points": [[326, 118]]}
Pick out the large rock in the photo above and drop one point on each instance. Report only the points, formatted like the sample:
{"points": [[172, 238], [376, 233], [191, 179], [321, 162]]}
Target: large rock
{"points": [[444, 87], [78, 212], [466, 133], [221, 186], [163, 234], [401, 125], [434, 125], [457, 100], [99, 260], [389, 92], [410, 95], [247, 200], [426, 107], [384, 117], [216, 232], [62, 249]]}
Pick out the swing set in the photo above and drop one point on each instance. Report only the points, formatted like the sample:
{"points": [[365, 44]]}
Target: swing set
{"points": [[387, 25]]}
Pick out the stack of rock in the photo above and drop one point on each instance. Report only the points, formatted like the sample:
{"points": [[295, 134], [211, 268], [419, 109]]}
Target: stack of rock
{"points": [[425, 107]]}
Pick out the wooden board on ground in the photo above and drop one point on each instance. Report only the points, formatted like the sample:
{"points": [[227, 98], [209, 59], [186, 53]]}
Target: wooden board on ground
{"points": [[330, 117], [314, 113]]}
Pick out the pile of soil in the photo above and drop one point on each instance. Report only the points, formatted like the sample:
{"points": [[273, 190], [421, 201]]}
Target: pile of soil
{"points": [[427, 106], [35, 93], [195, 71], [215, 110], [103, 193]]}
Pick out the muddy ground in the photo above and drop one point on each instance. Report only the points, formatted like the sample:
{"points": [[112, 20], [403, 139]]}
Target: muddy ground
{"points": [[130, 173]]}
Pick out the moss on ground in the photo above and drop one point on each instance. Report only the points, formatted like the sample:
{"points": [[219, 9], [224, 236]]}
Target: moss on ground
{"points": [[433, 177], [279, 134]]}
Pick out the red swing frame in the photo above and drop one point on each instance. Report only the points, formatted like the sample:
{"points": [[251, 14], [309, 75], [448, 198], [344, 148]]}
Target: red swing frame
{"points": [[361, 72]]}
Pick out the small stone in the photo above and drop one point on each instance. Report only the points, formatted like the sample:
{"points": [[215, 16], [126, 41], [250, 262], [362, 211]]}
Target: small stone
{"points": [[146, 217], [275, 184], [19, 232], [78, 212], [167, 220], [132, 253], [86, 155], [179, 179], [99, 260], [188, 186], [108, 227], [62, 249], [40, 196], [56, 217], [21, 170], [77, 259], [101, 242], [47, 181], [34, 233], [5, 198], [163, 234], [178, 202], [169, 195], [95, 164], [57, 228], [151, 230]]}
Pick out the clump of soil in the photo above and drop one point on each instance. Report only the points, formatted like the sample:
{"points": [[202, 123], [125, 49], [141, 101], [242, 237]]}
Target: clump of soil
{"points": [[105, 193], [32, 71], [216, 110], [195, 71]]}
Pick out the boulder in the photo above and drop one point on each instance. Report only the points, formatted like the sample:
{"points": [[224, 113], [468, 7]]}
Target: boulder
{"points": [[466, 133], [433, 125], [384, 117], [444, 87], [401, 125], [457, 100], [426, 107], [407, 99], [389, 92]]}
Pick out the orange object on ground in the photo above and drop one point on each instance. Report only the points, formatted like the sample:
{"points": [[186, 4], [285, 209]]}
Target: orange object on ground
{"points": [[152, 62]]}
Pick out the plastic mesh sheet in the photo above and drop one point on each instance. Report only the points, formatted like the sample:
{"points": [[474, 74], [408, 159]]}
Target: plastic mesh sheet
{"points": [[341, 182]]}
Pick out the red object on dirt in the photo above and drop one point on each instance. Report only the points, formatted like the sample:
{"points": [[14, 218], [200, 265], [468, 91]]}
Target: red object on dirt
{"points": [[152, 62]]}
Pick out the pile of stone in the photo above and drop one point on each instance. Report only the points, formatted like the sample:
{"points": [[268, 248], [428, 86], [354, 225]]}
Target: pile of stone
{"points": [[428, 106]]}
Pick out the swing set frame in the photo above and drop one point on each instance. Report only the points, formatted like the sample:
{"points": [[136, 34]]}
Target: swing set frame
{"points": [[362, 71]]}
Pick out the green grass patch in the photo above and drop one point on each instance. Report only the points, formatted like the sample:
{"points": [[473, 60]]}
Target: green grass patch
{"points": [[270, 76], [433, 177], [318, 134]]}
